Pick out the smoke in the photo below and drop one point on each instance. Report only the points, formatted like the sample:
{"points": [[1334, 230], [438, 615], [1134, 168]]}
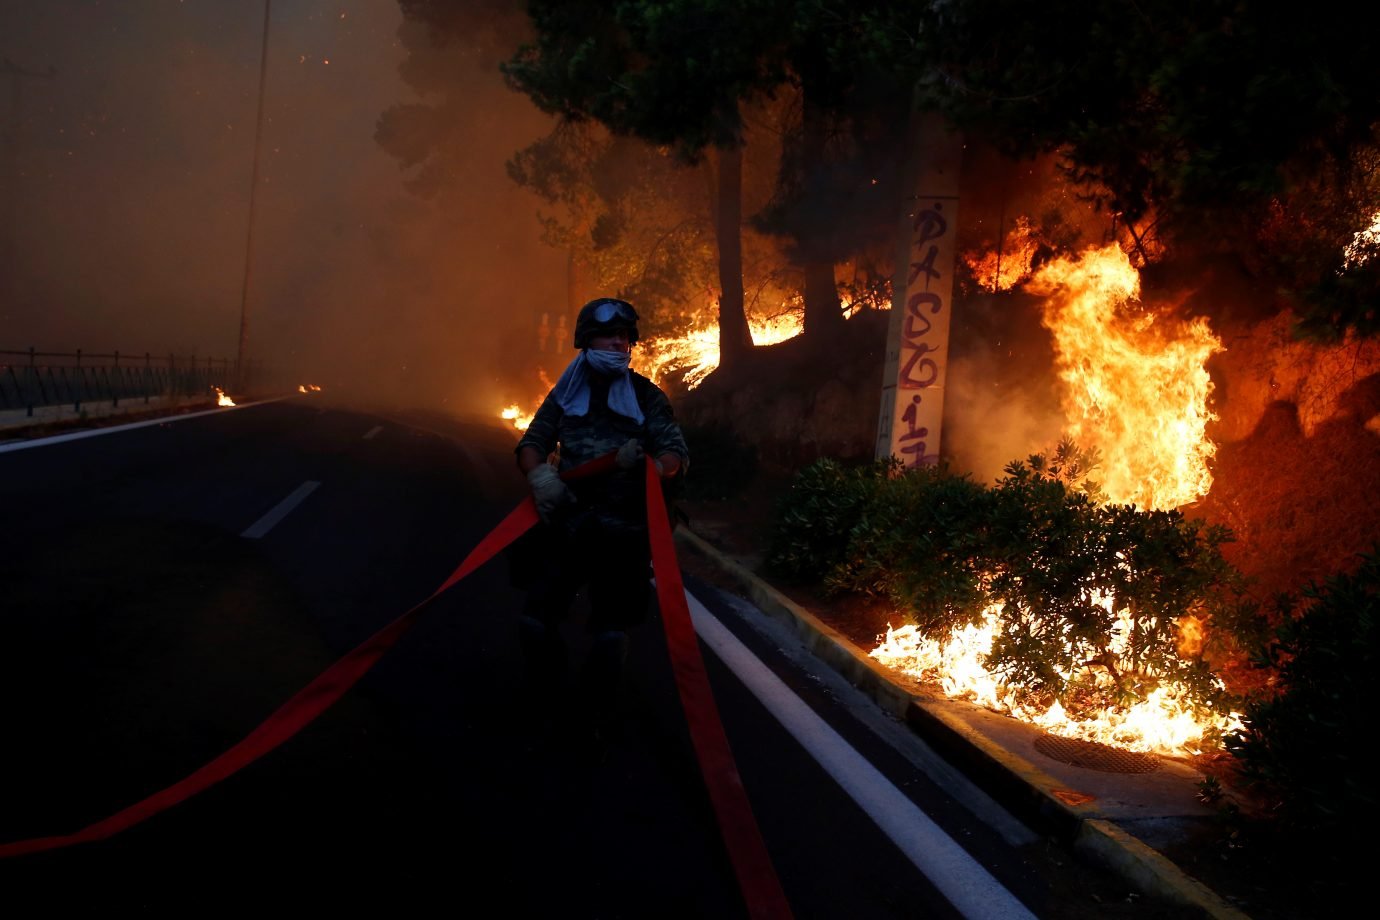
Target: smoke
{"points": [[1001, 401], [127, 208]]}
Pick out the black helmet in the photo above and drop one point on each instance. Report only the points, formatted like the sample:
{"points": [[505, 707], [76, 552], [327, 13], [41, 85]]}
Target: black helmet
{"points": [[604, 315]]}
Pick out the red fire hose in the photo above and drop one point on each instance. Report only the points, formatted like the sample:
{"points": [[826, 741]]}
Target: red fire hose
{"points": [[756, 877]]}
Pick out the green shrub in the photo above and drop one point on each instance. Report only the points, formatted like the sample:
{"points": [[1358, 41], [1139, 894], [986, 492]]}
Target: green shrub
{"points": [[943, 549], [1306, 743], [918, 542], [814, 518], [1064, 569]]}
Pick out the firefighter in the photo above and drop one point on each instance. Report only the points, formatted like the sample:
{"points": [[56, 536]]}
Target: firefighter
{"points": [[593, 531]]}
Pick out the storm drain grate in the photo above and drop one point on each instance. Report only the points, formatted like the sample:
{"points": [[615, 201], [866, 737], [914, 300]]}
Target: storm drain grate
{"points": [[1093, 756]]}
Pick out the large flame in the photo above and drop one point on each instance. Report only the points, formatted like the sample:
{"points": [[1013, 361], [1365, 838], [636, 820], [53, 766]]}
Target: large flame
{"points": [[1135, 384]]}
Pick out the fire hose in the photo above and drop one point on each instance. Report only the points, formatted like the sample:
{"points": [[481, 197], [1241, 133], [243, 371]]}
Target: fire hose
{"points": [[747, 851]]}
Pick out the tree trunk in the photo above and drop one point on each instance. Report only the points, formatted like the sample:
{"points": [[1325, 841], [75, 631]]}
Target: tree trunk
{"points": [[823, 313], [734, 338]]}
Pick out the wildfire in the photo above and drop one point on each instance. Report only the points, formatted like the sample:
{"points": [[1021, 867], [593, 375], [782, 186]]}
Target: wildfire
{"points": [[515, 415], [1362, 244], [1135, 385], [695, 355], [221, 398], [1164, 723], [692, 356], [1005, 267], [1134, 388]]}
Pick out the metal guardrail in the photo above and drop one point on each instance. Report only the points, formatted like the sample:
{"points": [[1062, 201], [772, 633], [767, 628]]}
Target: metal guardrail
{"points": [[40, 379]]}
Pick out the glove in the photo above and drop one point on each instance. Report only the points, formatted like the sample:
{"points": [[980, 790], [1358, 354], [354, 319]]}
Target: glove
{"points": [[548, 490], [629, 455]]}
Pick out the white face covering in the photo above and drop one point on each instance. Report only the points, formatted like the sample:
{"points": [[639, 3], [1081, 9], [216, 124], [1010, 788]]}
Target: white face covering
{"points": [[608, 363]]}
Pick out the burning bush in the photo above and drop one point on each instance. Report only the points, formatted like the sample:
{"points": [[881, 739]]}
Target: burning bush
{"points": [[1088, 604]]}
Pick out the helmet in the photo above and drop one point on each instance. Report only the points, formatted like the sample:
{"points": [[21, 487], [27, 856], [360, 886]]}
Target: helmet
{"points": [[602, 316]]}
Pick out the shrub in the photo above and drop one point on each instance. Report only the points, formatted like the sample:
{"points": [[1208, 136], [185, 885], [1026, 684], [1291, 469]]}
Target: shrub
{"points": [[814, 518], [1305, 743], [1090, 597], [918, 542]]}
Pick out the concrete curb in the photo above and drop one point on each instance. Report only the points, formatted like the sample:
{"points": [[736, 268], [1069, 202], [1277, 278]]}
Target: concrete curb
{"points": [[1015, 782]]}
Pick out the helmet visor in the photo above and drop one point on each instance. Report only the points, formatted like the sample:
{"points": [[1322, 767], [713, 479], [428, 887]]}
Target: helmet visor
{"points": [[609, 310]]}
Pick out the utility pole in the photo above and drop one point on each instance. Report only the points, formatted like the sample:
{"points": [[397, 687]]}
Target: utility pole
{"points": [[917, 344], [17, 77], [242, 355]]}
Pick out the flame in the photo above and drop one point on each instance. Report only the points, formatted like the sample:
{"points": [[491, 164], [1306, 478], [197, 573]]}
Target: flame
{"points": [[1164, 723], [515, 415], [1004, 268], [1357, 251], [513, 412], [694, 355], [308, 388], [1135, 385], [221, 398]]}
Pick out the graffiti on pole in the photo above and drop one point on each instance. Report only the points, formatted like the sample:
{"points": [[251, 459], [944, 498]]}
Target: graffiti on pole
{"points": [[917, 344]]}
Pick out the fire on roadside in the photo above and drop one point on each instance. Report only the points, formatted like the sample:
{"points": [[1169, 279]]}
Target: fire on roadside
{"points": [[1134, 386], [691, 356], [221, 398], [308, 388]]}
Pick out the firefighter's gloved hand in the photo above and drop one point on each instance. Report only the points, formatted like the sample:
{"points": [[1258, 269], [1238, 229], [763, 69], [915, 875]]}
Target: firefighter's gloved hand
{"points": [[548, 490], [630, 454]]}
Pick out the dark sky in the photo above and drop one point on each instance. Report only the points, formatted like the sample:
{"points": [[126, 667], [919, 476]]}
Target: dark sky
{"points": [[127, 186]]}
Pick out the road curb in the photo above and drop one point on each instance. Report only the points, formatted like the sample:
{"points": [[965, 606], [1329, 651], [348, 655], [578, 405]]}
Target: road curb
{"points": [[1018, 784]]}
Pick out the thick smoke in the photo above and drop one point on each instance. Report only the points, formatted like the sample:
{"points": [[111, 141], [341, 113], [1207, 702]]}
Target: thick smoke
{"points": [[128, 207]]}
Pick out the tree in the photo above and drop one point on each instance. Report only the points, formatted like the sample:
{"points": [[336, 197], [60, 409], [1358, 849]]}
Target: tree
{"points": [[670, 73], [1218, 124]]}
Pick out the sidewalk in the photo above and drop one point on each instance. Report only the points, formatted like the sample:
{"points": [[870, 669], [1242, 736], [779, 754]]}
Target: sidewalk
{"points": [[1121, 809]]}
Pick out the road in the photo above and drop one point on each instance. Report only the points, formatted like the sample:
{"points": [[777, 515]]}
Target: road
{"points": [[164, 588]]}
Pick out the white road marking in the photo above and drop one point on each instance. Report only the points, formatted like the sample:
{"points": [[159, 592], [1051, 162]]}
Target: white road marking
{"points": [[968, 886], [93, 432], [373, 431], [266, 523]]}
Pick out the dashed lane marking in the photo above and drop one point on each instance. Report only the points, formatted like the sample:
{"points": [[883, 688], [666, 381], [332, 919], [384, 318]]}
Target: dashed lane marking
{"points": [[281, 510]]}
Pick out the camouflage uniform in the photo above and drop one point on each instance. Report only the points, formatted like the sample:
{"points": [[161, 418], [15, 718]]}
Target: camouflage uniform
{"points": [[602, 539]]}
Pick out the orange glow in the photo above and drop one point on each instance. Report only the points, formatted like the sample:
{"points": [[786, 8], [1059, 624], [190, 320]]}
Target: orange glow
{"points": [[1001, 270], [1134, 382], [695, 354], [308, 388], [221, 398]]}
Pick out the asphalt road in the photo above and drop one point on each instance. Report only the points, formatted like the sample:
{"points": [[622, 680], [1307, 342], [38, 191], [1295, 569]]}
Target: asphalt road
{"points": [[158, 599]]}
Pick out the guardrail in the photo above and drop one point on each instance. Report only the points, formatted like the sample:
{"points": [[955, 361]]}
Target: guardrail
{"points": [[39, 379]]}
